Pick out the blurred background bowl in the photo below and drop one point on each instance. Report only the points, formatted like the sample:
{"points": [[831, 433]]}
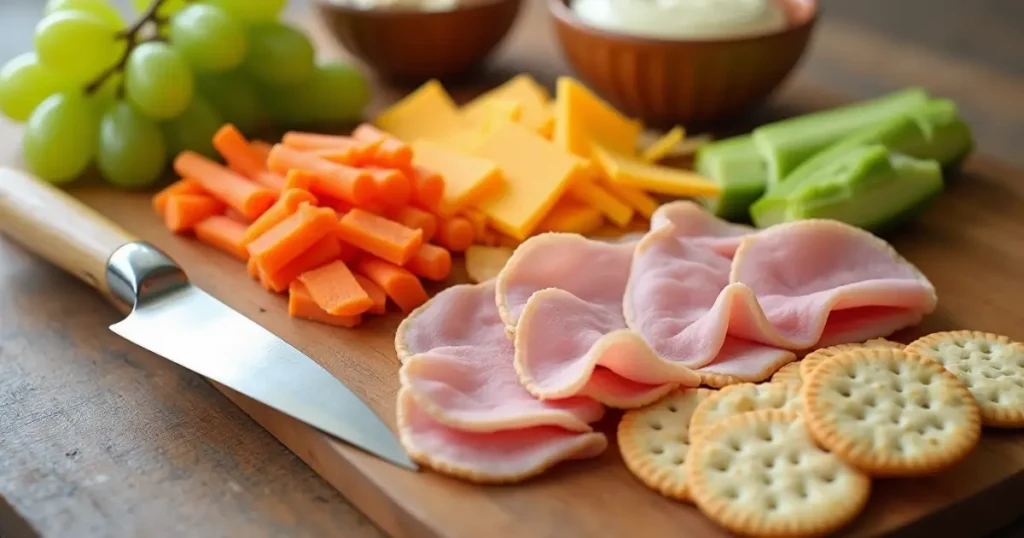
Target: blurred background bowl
{"points": [[410, 45], [673, 81]]}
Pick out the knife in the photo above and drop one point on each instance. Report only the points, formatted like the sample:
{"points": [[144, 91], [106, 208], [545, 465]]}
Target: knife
{"points": [[175, 319]]}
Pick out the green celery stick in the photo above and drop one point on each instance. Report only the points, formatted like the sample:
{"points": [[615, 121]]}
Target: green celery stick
{"points": [[737, 166], [785, 144]]}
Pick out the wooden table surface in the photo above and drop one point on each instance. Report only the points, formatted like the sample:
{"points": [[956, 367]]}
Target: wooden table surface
{"points": [[100, 438]]}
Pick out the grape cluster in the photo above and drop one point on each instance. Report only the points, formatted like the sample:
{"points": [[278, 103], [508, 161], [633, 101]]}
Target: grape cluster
{"points": [[128, 97]]}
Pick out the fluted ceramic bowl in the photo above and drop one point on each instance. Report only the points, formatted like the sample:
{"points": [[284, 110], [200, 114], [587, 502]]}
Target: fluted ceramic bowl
{"points": [[412, 45], [672, 81]]}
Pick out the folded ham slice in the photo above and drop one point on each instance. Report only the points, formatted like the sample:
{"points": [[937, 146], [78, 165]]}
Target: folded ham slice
{"points": [[560, 296], [458, 366]]}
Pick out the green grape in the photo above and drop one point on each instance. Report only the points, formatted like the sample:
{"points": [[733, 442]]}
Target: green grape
{"points": [[208, 37], [24, 83], [278, 55], [158, 81], [109, 91], [101, 8], [77, 45], [235, 98], [193, 129], [251, 10], [336, 92], [168, 8], [131, 151], [60, 137]]}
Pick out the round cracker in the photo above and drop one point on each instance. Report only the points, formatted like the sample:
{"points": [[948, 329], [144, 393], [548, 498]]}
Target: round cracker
{"points": [[654, 441], [813, 359], [992, 367], [789, 373], [761, 474], [890, 413], [718, 381], [743, 398]]}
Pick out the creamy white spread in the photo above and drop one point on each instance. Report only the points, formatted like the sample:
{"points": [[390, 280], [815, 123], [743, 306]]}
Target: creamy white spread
{"points": [[683, 19]]}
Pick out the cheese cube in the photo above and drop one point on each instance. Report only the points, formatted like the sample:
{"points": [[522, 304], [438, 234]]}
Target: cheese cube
{"points": [[582, 118], [631, 172], [467, 179]]}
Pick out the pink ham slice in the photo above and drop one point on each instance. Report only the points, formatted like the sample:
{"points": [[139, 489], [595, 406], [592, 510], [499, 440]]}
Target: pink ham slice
{"points": [[458, 366], [495, 457], [560, 296]]}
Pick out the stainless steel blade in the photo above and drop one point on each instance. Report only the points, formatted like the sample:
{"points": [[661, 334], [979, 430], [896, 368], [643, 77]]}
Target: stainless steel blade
{"points": [[189, 327]]}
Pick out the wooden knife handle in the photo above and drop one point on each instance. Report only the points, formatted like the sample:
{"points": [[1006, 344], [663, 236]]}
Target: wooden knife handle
{"points": [[54, 225]]}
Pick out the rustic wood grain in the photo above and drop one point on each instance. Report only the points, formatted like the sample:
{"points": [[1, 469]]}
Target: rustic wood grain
{"points": [[101, 439]]}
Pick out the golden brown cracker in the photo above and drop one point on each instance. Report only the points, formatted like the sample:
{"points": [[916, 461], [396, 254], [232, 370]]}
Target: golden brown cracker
{"points": [[743, 398], [789, 373]]}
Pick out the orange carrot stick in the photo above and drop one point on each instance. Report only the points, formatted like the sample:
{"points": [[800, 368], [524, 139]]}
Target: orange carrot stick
{"points": [[305, 141], [379, 236], [184, 211], [431, 262], [416, 219], [235, 215], [287, 204], [261, 149], [351, 156], [292, 236], [252, 267], [182, 186], [235, 149], [339, 206], [393, 187], [477, 219], [427, 187], [320, 253], [301, 305], [380, 299], [223, 233], [399, 284], [455, 234], [249, 198], [350, 184], [335, 289], [390, 152]]}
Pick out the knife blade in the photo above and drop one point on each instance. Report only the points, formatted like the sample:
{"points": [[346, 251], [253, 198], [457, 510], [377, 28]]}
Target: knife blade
{"points": [[177, 320]]}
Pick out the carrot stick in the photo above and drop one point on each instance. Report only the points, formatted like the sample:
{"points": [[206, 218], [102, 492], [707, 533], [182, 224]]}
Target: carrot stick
{"points": [[477, 219], [379, 236], [249, 198], [292, 236], [322, 252], [393, 187], [252, 267], [301, 305], [427, 187], [223, 233], [416, 219], [235, 215], [350, 184], [304, 141], [339, 206], [184, 211], [262, 149], [380, 299], [431, 262], [287, 204], [399, 284], [349, 253], [390, 152], [351, 156], [235, 149], [335, 289], [455, 234], [182, 186]]}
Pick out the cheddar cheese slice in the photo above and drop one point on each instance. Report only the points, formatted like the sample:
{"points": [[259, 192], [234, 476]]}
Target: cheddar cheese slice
{"points": [[467, 179], [663, 146], [521, 89], [603, 201], [537, 174], [427, 112], [581, 117], [631, 172], [643, 203], [571, 216]]}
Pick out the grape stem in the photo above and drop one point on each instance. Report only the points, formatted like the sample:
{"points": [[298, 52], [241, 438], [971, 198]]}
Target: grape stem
{"points": [[133, 35]]}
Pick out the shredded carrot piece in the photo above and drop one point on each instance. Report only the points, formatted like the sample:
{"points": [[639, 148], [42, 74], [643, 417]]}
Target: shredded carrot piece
{"points": [[477, 219], [249, 198], [335, 289], [431, 262], [427, 187], [393, 187], [223, 233], [455, 234], [301, 305], [262, 149], [322, 252], [390, 152], [399, 284], [235, 149], [292, 236], [350, 184], [379, 236], [287, 204], [416, 219], [182, 186], [380, 299], [183, 211]]}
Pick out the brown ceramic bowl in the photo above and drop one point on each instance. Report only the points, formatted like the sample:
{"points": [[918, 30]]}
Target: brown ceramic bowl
{"points": [[673, 81], [413, 45]]}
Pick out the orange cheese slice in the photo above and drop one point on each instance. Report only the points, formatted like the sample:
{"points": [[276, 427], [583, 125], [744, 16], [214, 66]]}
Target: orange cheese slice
{"points": [[537, 174], [467, 179], [632, 172], [643, 203], [427, 112], [571, 216], [603, 201], [663, 146], [581, 117], [521, 89]]}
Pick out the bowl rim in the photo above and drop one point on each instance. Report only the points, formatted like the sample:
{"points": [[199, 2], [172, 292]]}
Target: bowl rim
{"points": [[461, 6], [565, 15]]}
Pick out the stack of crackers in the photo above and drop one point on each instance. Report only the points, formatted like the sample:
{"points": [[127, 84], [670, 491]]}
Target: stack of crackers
{"points": [[796, 456]]}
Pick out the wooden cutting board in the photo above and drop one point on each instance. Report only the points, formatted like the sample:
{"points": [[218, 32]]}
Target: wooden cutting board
{"points": [[970, 244]]}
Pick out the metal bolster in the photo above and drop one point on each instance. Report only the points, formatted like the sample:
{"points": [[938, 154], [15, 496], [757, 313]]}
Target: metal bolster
{"points": [[139, 271]]}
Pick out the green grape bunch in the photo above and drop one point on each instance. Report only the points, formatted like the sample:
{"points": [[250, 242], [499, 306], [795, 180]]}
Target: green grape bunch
{"points": [[125, 97]]}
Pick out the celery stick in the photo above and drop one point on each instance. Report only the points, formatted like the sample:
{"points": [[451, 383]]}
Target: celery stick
{"points": [[737, 166]]}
